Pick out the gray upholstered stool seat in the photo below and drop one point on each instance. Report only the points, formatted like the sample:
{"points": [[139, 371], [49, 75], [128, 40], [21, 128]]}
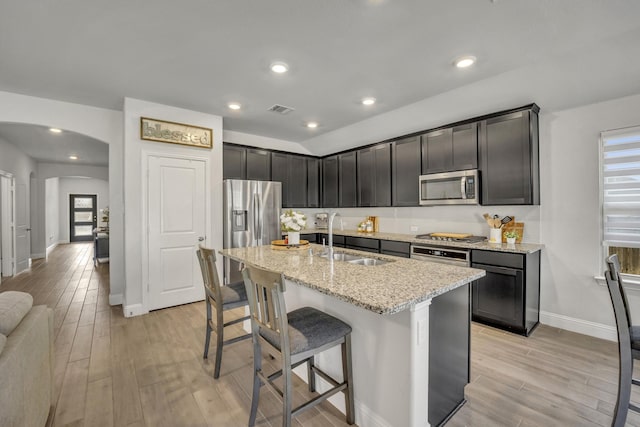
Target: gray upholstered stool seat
{"points": [[233, 293], [295, 337], [308, 329]]}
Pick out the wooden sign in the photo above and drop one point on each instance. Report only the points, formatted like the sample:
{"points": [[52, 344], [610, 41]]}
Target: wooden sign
{"points": [[175, 133]]}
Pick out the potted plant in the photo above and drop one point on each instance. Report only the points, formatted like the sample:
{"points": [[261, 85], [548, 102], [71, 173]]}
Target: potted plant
{"points": [[292, 222], [511, 236]]}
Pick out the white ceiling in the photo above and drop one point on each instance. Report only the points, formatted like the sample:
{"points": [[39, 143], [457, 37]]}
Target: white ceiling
{"points": [[202, 55]]}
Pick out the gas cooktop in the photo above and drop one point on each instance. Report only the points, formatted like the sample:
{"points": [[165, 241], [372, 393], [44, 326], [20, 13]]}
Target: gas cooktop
{"points": [[452, 237]]}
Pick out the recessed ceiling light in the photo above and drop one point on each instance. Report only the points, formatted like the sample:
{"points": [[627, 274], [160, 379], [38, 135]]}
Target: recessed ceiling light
{"points": [[465, 61], [279, 67], [368, 101], [234, 105], [55, 130], [312, 125], [73, 157]]}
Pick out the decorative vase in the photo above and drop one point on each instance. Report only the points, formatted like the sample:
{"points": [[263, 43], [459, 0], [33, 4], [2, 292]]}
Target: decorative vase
{"points": [[511, 240], [294, 237]]}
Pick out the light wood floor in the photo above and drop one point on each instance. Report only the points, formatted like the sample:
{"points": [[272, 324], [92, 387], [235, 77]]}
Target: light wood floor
{"points": [[149, 371]]}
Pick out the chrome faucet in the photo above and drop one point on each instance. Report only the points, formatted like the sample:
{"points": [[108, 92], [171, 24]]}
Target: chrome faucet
{"points": [[331, 218]]}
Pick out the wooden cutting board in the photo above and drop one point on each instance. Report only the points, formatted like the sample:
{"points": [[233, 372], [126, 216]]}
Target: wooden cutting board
{"points": [[452, 235]]}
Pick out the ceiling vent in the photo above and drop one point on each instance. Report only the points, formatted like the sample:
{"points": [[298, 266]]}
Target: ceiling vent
{"points": [[281, 109]]}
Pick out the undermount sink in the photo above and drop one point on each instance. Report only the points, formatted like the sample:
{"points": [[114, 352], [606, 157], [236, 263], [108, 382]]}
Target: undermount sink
{"points": [[356, 259]]}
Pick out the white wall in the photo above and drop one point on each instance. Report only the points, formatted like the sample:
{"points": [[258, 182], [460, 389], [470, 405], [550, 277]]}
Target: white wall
{"points": [[69, 186], [21, 166], [263, 142], [52, 212], [570, 215], [135, 238], [101, 124]]}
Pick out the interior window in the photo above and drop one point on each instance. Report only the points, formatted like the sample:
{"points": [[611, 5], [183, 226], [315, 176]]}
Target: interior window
{"points": [[620, 160]]}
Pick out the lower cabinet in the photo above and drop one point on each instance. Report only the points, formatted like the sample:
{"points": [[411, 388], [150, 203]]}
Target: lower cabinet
{"points": [[338, 241], [391, 247], [363, 244], [508, 297]]}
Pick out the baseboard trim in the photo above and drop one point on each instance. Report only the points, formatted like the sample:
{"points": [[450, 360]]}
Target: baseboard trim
{"points": [[134, 310], [50, 248], [115, 299], [580, 326], [38, 256]]}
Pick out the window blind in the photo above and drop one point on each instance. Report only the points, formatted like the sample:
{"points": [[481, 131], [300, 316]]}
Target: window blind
{"points": [[621, 187]]}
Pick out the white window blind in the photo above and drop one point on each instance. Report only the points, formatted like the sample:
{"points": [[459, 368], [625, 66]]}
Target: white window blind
{"points": [[621, 187]]}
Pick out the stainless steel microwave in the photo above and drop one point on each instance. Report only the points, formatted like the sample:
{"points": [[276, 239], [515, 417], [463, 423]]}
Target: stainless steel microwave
{"points": [[450, 188]]}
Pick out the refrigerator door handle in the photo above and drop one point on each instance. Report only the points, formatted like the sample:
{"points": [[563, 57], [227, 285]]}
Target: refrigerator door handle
{"points": [[256, 219]]}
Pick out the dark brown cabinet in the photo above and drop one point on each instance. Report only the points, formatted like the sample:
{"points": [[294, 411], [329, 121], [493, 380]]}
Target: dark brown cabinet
{"points": [[234, 162], [258, 164], [291, 171], [314, 174], [405, 171], [450, 149], [508, 297], [508, 146], [374, 175], [239, 162], [330, 182], [347, 180]]}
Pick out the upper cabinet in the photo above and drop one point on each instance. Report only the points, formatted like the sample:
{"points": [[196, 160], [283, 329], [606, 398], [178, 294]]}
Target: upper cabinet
{"points": [[291, 171], [509, 169], [258, 164], [405, 171], [234, 162], [347, 190], [240, 162], [450, 149], [374, 175], [330, 182], [314, 174]]}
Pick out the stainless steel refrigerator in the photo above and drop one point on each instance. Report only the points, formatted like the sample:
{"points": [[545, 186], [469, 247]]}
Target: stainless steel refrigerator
{"points": [[251, 218]]}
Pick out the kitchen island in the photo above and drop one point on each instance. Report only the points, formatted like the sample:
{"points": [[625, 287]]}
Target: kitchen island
{"points": [[410, 323]]}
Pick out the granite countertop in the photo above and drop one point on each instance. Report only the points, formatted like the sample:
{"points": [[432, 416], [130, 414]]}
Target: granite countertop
{"points": [[520, 248], [384, 289]]}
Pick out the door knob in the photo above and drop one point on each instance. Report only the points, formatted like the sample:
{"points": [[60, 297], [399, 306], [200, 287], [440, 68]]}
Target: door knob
{"points": [[200, 239]]}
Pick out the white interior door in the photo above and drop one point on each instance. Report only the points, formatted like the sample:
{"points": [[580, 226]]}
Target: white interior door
{"points": [[23, 240], [6, 226], [177, 224]]}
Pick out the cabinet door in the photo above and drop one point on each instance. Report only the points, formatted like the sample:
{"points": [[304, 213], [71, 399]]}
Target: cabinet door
{"points": [[465, 147], [297, 181], [382, 174], [498, 297], [279, 173], [437, 151], [405, 171], [347, 196], [313, 182], [258, 164], [505, 160], [330, 182], [366, 177], [234, 160]]}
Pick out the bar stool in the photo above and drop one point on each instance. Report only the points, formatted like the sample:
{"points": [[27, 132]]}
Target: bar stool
{"points": [[625, 358], [298, 336], [614, 267], [223, 298]]}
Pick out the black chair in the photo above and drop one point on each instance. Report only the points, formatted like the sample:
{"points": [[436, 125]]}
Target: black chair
{"points": [[297, 337], [625, 358], [223, 298]]}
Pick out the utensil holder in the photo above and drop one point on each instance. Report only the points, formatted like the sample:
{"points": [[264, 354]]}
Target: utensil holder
{"points": [[495, 235]]}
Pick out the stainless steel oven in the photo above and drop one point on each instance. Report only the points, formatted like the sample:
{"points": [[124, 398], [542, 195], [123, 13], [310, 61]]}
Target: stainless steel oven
{"points": [[450, 188], [458, 256]]}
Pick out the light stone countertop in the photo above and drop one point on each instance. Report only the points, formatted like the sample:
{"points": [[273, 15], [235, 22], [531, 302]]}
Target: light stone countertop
{"points": [[384, 289], [518, 248]]}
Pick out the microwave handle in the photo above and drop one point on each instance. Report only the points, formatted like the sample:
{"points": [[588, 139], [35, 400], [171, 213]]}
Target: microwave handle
{"points": [[463, 187]]}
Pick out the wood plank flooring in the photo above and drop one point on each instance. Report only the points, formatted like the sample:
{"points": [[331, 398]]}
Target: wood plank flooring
{"points": [[148, 370]]}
